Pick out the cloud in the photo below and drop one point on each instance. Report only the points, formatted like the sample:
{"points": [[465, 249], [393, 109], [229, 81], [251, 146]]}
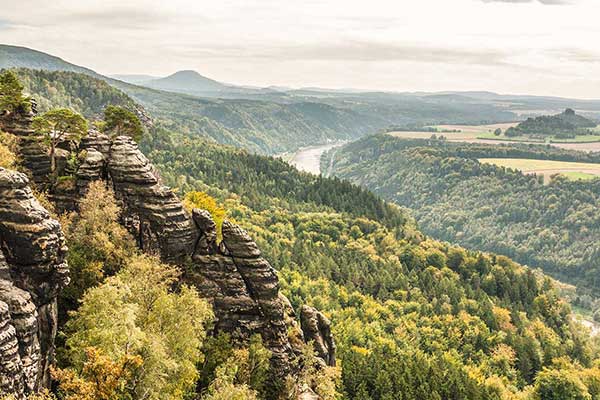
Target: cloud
{"points": [[575, 54], [354, 51], [130, 18], [545, 2]]}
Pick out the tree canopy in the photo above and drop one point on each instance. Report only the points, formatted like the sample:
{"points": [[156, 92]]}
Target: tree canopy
{"points": [[120, 121], [58, 125]]}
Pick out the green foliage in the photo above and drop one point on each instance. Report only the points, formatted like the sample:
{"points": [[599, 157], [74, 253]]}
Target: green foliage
{"points": [[120, 121], [98, 245], [137, 313], [565, 125], [59, 125], [81, 93], [321, 379], [12, 99], [553, 384], [100, 378], [224, 388], [206, 202], [227, 364], [456, 198]]}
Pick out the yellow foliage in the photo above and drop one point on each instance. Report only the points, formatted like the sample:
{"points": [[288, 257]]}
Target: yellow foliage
{"points": [[7, 158], [101, 378], [8, 150], [205, 202]]}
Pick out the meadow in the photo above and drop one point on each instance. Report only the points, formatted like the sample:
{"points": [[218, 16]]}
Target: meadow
{"points": [[455, 132], [547, 168]]}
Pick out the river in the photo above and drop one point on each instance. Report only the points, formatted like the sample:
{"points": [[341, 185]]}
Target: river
{"points": [[308, 159]]}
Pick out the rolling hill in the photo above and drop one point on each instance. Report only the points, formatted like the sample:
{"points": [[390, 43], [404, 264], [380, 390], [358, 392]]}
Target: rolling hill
{"points": [[457, 198], [186, 82]]}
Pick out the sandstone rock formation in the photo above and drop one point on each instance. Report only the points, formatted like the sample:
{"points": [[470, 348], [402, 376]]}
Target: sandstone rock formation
{"points": [[243, 288], [32, 151], [32, 272], [154, 213], [232, 274], [317, 329], [241, 285]]}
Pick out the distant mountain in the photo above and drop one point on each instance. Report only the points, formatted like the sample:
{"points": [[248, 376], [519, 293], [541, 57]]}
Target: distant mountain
{"points": [[260, 126], [22, 57], [135, 79], [187, 82]]}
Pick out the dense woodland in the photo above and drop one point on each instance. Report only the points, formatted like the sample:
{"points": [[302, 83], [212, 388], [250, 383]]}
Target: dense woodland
{"points": [[413, 318], [454, 197], [81, 93]]}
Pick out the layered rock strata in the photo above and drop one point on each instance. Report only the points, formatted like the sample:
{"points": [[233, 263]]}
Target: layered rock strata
{"points": [[240, 283], [242, 286], [153, 212], [32, 150], [32, 273]]}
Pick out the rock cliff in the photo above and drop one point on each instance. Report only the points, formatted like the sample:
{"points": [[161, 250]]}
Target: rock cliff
{"points": [[241, 285], [32, 272], [32, 150]]}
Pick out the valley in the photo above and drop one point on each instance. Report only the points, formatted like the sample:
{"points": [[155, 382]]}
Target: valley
{"points": [[422, 267]]}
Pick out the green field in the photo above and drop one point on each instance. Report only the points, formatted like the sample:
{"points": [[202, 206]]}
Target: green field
{"points": [[455, 132], [547, 168], [491, 136]]}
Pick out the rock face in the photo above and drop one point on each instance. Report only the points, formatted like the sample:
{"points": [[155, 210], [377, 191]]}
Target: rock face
{"points": [[154, 213], [32, 151], [317, 329], [241, 285], [243, 288], [32, 273]]}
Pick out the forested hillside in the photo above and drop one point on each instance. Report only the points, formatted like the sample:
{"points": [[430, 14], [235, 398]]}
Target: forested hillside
{"points": [[564, 125], [82, 93], [454, 197], [412, 317]]}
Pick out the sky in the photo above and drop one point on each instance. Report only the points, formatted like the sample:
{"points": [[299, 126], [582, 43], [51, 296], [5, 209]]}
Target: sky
{"points": [[542, 47]]}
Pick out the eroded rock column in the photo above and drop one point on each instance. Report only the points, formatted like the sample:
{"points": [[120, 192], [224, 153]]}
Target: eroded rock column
{"points": [[32, 273]]}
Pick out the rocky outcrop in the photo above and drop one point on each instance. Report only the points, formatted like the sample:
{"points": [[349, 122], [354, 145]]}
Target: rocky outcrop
{"points": [[32, 273], [95, 150], [317, 329], [232, 274], [242, 286], [153, 212], [33, 152]]}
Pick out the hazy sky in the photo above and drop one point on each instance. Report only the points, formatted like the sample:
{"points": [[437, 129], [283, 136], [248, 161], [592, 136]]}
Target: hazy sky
{"points": [[510, 46]]}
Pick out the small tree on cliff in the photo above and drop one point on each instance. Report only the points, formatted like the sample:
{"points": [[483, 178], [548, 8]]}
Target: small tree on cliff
{"points": [[11, 94], [120, 121], [59, 125]]}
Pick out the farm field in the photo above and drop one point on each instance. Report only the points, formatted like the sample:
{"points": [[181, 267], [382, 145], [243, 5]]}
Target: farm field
{"points": [[465, 132], [576, 139], [547, 168], [484, 134]]}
